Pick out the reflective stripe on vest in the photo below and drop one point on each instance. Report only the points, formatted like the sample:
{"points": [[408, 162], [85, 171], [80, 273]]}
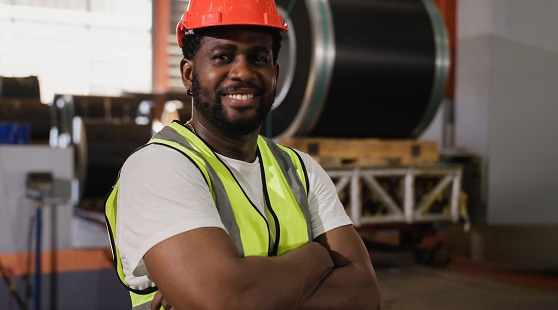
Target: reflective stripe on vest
{"points": [[142, 302], [285, 185]]}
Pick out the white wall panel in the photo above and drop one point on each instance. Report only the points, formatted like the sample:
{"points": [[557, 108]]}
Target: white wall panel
{"points": [[96, 47], [506, 97]]}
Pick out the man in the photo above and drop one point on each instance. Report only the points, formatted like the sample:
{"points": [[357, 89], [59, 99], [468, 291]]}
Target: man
{"points": [[210, 215]]}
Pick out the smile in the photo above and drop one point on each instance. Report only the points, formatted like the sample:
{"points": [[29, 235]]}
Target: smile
{"points": [[241, 96]]}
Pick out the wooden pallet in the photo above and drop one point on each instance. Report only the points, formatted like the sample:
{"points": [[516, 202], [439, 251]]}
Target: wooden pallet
{"points": [[356, 152]]}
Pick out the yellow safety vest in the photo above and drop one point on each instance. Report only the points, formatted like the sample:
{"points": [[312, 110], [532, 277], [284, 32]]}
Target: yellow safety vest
{"points": [[286, 224]]}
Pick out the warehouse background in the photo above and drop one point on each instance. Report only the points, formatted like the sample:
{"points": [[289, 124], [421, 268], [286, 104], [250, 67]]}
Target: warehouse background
{"points": [[108, 59]]}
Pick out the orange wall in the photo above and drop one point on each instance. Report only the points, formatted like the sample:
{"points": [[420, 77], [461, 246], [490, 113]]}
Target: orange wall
{"points": [[65, 261]]}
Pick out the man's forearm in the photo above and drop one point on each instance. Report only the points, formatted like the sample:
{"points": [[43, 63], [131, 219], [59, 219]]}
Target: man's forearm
{"points": [[215, 277], [353, 286], [352, 283], [295, 276]]}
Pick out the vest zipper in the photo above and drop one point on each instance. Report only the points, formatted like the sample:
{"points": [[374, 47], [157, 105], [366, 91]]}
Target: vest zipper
{"points": [[270, 250], [273, 251]]}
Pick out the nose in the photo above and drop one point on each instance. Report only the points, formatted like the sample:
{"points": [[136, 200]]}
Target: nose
{"points": [[242, 70]]}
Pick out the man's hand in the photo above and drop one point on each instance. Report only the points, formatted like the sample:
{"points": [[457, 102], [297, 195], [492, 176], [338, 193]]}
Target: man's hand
{"points": [[160, 301]]}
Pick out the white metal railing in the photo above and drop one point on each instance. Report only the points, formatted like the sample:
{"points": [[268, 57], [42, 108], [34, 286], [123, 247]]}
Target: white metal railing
{"points": [[447, 178]]}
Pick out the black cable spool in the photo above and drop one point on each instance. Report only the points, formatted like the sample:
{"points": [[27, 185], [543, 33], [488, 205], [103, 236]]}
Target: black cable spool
{"points": [[107, 147], [359, 68], [100, 146], [29, 111]]}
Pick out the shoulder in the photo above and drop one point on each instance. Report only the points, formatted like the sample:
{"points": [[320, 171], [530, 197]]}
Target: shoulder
{"points": [[327, 211], [157, 168], [152, 153], [161, 194], [311, 165], [154, 159], [319, 180]]}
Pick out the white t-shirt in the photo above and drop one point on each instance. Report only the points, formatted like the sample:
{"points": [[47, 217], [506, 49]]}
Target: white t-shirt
{"points": [[162, 194]]}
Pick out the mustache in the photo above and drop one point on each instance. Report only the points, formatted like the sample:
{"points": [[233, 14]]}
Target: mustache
{"points": [[232, 88]]}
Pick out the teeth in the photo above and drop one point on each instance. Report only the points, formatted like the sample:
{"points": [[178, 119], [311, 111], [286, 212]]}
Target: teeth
{"points": [[241, 97]]}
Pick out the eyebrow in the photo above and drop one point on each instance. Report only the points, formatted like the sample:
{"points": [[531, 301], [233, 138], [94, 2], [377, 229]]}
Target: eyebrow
{"points": [[232, 47], [262, 49], [224, 47]]}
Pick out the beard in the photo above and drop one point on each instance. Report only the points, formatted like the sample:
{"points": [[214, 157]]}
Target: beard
{"points": [[210, 106]]}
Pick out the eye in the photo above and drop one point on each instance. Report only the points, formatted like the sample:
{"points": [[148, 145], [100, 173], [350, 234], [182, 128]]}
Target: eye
{"points": [[222, 58], [261, 59]]}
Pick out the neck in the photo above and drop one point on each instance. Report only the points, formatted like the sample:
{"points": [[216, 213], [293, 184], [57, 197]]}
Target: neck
{"points": [[241, 148]]}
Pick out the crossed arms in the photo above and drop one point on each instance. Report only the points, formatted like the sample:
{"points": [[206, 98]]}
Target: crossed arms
{"points": [[333, 272]]}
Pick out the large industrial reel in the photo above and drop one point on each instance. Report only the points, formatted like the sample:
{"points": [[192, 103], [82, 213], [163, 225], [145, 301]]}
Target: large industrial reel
{"points": [[106, 148], [101, 144], [104, 131], [359, 68]]}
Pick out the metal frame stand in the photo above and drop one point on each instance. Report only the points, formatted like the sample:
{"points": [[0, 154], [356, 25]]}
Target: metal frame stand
{"points": [[409, 204], [409, 211]]}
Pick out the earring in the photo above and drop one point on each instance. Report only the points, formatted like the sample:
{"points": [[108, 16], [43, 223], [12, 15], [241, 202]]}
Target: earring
{"points": [[189, 92]]}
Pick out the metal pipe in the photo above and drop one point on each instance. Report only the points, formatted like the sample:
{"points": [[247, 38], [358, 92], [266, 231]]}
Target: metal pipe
{"points": [[38, 233]]}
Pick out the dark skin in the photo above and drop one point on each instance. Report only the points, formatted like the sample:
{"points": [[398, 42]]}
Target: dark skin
{"points": [[334, 271], [231, 67]]}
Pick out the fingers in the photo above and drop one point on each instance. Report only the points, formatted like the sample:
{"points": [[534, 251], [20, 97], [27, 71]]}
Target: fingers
{"points": [[165, 304], [159, 301], [156, 303]]}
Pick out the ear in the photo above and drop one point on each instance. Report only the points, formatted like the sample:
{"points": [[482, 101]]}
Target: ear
{"points": [[186, 71], [276, 73]]}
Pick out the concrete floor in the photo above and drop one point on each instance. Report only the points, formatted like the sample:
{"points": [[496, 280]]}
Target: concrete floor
{"points": [[404, 284], [461, 284]]}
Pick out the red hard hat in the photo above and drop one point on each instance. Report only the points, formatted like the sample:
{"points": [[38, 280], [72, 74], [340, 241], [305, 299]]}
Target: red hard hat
{"points": [[208, 13]]}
